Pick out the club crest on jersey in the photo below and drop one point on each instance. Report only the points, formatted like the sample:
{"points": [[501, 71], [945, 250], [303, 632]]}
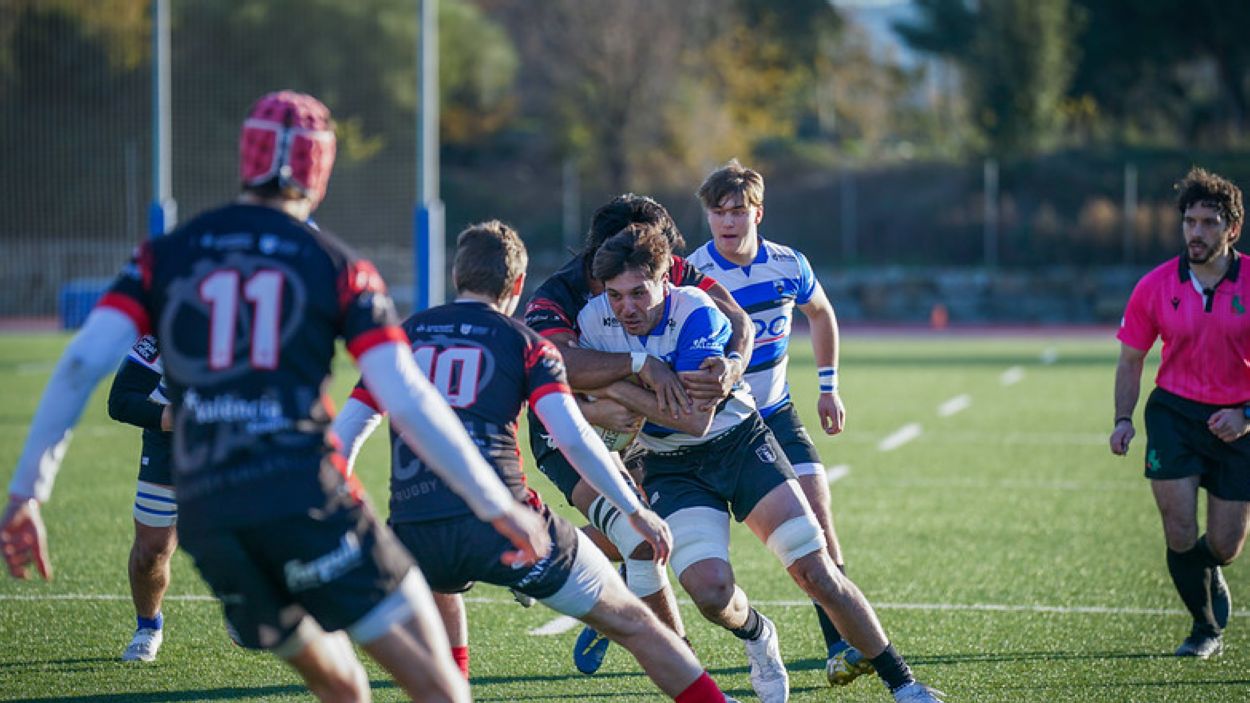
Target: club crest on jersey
{"points": [[146, 349], [766, 454]]}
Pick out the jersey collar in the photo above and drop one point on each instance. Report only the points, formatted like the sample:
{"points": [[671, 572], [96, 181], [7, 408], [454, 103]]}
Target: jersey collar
{"points": [[1234, 268], [761, 256]]}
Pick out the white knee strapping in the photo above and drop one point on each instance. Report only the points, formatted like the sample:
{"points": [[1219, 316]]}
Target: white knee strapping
{"points": [[614, 525], [796, 538], [644, 577], [698, 533], [809, 469], [155, 505]]}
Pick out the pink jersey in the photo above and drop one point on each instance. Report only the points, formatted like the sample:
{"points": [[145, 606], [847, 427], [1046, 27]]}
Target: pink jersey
{"points": [[1206, 338]]}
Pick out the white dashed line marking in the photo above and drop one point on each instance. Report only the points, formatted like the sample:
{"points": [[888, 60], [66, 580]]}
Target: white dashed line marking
{"points": [[1050, 355], [901, 436], [1013, 375], [954, 405], [558, 626], [838, 472]]}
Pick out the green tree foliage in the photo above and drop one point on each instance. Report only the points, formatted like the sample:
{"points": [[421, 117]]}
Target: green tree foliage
{"points": [[1018, 58]]}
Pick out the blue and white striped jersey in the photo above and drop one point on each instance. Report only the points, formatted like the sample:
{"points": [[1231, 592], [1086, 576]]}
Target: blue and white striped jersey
{"points": [[768, 289], [691, 329]]}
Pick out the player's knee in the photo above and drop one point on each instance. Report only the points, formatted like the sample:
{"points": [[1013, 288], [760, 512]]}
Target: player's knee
{"points": [[796, 538], [1224, 550], [644, 577], [153, 548], [711, 586]]}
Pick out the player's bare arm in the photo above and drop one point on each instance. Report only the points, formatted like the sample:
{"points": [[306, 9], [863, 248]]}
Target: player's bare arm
{"points": [[742, 332], [605, 412], [1127, 389], [695, 423], [824, 329], [589, 369]]}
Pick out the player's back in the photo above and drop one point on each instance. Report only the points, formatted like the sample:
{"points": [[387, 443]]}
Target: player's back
{"points": [[247, 303], [487, 366]]}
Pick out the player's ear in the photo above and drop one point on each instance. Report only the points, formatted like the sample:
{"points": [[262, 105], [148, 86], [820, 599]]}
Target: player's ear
{"points": [[519, 284], [759, 213]]}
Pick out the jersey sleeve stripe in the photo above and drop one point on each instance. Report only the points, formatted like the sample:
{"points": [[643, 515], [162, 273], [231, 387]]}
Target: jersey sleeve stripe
{"points": [[551, 332], [363, 395], [129, 307], [545, 390], [706, 284], [372, 338]]}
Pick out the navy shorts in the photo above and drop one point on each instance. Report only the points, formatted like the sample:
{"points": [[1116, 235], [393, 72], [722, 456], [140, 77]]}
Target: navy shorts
{"points": [[335, 567], [1178, 444], [737, 468], [156, 462], [790, 433], [455, 552]]}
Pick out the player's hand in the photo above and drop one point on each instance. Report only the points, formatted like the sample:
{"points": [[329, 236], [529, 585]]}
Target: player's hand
{"points": [[167, 419], [608, 413], [528, 533], [663, 381], [656, 533], [1121, 436], [832, 413], [1229, 424], [712, 383], [24, 539]]}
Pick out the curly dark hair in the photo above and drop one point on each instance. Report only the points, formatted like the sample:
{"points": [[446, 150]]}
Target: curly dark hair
{"points": [[638, 246], [1201, 187], [624, 210]]}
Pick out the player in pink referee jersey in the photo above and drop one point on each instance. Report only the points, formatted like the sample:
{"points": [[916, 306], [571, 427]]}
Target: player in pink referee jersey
{"points": [[1198, 416]]}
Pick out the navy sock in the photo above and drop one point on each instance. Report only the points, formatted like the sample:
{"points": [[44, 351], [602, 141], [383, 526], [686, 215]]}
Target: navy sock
{"points": [[1191, 575], [752, 629], [155, 623], [892, 669]]}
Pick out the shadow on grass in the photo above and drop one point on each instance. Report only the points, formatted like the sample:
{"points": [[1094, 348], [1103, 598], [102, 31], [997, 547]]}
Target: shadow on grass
{"points": [[1006, 657]]}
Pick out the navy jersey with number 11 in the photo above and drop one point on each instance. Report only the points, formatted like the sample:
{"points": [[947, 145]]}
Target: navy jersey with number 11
{"points": [[247, 302], [487, 366]]}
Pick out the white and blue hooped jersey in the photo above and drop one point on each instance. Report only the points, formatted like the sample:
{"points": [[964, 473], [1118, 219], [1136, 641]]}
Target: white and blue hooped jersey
{"points": [[768, 289], [690, 330], [147, 354]]}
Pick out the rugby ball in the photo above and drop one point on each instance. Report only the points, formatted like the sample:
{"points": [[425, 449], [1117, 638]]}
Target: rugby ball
{"points": [[615, 441]]}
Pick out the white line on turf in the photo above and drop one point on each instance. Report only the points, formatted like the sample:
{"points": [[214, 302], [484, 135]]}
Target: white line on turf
{"points": [[1050, 355], [1011, 376], [558, 626], [901, 436], [837, 472], [565, 623], [954, 405]]}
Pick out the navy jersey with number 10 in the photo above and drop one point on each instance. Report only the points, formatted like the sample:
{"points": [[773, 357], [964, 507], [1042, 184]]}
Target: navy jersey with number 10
{"points": [[486, 366]]}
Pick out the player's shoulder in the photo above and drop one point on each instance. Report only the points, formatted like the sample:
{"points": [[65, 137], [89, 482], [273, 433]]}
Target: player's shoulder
{"points": [[1162, 274], [781, 253], [690, 297], [701, 258]]}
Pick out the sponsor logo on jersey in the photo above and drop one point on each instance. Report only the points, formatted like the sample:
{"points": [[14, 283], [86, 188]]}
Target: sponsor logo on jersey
{"points": [[611, 321], [146, 349], [706, 343]]}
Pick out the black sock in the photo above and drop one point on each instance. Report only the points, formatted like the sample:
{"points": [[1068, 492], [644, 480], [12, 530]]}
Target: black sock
{"points": [[827, 628], [1192, 577], [752, 629], [892, 669]]}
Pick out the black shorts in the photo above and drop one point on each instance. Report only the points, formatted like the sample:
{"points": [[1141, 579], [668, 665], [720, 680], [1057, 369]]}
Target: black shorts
{"points": [[1178, 444], [790, 433], [156, 462], [455, 552], [739, 467], [555, 467], [335, 567]]}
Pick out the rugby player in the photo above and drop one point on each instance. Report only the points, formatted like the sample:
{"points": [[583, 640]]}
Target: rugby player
{"points": [[770, 280], [247, 301], [488, 366], [702, 466]]}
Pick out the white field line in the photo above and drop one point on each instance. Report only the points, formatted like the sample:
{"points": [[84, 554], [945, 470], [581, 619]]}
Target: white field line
{"points": [[558, 626], [1049, 356], [957, 404], [565, 623], [901, 436], [1012, 376], [837, 472]]}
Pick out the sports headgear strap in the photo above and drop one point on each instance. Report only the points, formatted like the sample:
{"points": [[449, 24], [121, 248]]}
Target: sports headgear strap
{"points": [[288, 136]]}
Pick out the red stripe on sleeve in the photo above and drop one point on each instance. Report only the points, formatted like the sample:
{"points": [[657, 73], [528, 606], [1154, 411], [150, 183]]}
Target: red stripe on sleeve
{"points": [[706, 284], [378, 335], [545, 390], [363, 395], [129, 307], [559, 330]]}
